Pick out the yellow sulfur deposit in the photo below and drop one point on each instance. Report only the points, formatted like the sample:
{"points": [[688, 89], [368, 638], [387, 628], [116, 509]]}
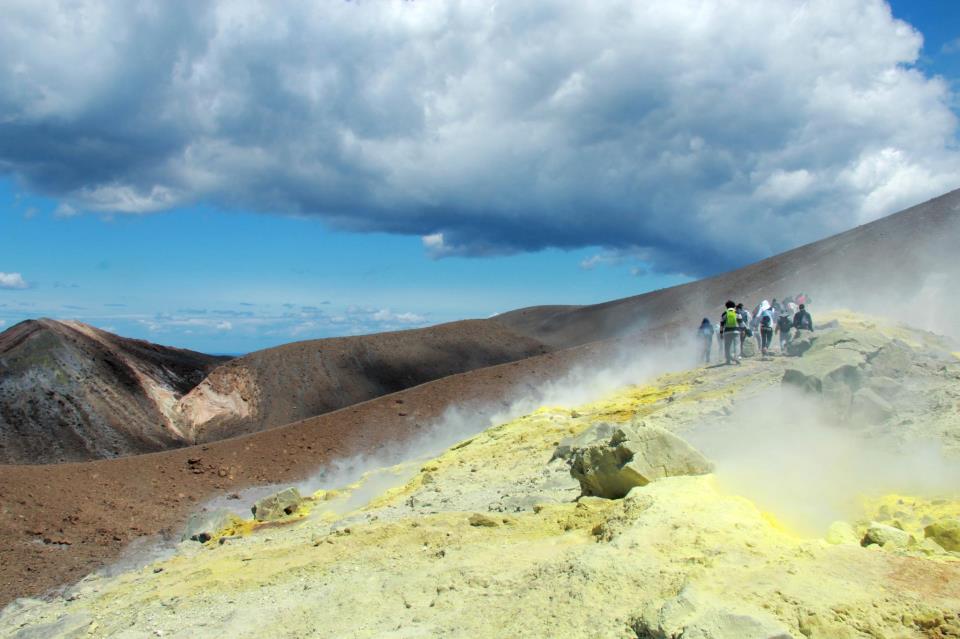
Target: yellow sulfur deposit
{"points": [[489, 539]]}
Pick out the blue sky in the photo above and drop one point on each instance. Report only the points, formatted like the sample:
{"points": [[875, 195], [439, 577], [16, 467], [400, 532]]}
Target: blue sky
{"points": [[244, 203]]}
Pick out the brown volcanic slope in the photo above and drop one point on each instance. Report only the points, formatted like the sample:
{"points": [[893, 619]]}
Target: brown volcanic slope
{"points": [[295, 381], [59, 522], [71, 392], [892, 255]]}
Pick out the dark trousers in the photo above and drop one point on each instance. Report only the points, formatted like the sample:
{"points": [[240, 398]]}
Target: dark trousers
{"points": [[730, 340], [766, 338]]}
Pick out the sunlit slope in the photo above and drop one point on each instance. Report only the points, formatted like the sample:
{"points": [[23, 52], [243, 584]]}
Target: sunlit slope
{"points": [[892, 265], [488, 539]]}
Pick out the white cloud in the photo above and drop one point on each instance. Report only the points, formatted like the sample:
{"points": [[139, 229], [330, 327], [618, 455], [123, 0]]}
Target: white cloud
{"points": [[606, 258], [65, 210], [12, 280], [660, 127]]}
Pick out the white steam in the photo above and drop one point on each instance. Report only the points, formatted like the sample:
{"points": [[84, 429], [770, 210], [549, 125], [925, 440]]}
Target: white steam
{"points": [[396, 462], [788, 454]]}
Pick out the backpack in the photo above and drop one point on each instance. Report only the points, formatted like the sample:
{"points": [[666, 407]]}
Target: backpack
{"points": [[765, 320], [730, 318]]}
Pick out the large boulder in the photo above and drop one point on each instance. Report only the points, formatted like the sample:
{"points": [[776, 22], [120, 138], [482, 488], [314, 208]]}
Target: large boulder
{"points": [[835, 374], [886, 536], [633, 456], [945, 532], [277, 506], [692, 615]]}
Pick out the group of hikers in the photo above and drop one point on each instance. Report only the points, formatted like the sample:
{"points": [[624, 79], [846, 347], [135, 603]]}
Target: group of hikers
{"points": [[787, 319]]}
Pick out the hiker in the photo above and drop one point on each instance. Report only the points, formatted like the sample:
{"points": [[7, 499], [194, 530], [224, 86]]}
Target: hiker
{"points": [[802, 320], [706, 335], [730, 330], [777, 309], [756, 323], [766, 329], [744, 316], [784, 324]]}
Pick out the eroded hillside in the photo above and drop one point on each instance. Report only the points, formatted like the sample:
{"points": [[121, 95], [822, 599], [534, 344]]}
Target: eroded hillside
{"points": [[71, 392], [494, 537]]}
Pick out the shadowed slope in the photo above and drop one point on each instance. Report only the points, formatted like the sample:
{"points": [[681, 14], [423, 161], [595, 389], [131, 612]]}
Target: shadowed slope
{"points": [[71, 392], [280, 385]]}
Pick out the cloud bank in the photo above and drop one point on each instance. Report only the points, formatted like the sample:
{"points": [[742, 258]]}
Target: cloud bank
{"points": [[685, 135]]}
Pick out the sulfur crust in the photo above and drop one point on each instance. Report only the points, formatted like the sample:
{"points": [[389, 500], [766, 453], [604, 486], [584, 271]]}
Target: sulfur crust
{"points": [[409, 564]]}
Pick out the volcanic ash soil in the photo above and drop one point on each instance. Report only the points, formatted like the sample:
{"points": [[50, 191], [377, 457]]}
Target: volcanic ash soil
{"points": [[493, 537]]}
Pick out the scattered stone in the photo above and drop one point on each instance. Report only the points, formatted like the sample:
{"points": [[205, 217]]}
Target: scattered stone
{"points": [[203, 526], [886, 536], [946, 533], [278, 505], [478, 519], [633, 457]]}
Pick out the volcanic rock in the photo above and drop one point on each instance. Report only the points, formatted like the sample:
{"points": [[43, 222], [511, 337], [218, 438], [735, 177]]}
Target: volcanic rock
{"points": [[611, 466], [886, 536], [946, 533], [278, 505], [203, 526], [691, 615], [481, 520], [834, 374]]}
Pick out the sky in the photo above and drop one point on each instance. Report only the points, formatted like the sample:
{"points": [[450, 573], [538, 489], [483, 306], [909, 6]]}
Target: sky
{"points": [[228, 176]]}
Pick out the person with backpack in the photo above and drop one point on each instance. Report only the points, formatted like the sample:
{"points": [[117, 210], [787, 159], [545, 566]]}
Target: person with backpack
{"points": [[730, 329], [766, 330], [802, 320], [784, 324], [706, 336], [744, 316]]}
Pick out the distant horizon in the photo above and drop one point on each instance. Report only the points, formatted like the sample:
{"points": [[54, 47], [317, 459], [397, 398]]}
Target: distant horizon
{"points": [[234, 191]]}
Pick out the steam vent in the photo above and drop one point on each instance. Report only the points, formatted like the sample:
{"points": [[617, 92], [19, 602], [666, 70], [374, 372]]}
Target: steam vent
{"points": [[637, 512]]}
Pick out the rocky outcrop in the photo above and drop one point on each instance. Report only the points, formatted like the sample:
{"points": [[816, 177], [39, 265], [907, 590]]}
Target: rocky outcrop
{"points": [[692, 615], [278, 505], [631, 456], [946, 533], [886, 536], [869, 377]]}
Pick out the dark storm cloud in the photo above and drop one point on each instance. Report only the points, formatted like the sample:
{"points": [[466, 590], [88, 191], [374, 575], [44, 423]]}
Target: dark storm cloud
{"points": [[687, 136]]}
